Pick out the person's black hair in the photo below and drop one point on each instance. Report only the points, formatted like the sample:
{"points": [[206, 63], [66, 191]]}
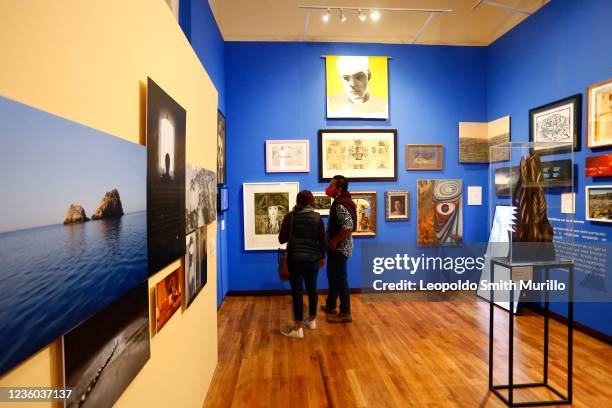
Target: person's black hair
{"points": [[341, 182], [304, 199]]}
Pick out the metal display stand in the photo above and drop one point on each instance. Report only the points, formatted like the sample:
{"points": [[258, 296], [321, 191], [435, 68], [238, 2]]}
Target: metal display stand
{"points": [[558, 263]]}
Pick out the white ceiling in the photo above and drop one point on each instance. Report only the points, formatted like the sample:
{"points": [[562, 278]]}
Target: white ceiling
{"points": [[281, 20]]}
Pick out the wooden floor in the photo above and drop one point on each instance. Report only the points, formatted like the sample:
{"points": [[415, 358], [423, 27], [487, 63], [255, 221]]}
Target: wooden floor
{"points": [[394, 354]]}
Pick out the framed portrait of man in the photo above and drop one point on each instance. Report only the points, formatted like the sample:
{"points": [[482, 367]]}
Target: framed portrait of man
{"points": [[357, 87], [265, 207], [358, 154], [397, 205]]}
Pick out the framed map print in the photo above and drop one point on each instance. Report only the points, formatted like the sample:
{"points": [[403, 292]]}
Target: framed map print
{"points": [[265, 207], [557, 124], [357, 87], [287, 156], [599, 114], [358, 154]]}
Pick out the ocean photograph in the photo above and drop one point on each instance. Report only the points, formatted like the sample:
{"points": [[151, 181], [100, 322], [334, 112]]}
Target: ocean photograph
{"points": [[73, 226]]}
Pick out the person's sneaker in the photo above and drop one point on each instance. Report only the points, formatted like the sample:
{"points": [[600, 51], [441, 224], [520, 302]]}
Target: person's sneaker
{"points": [[291, 332], [340, 318], [311, 324], [328, 310]]}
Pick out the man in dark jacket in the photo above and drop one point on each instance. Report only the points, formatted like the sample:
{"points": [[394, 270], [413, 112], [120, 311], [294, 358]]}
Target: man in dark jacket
{"points": [[342, 223]]}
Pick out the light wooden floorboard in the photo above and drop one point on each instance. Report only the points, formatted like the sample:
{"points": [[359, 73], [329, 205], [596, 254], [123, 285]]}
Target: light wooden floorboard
{"points": [[394, 354]]}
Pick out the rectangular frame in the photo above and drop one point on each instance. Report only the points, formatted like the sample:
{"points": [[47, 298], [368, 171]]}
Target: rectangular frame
{"points": [[356, 174], [440, 157], [323, 211], [389, 216], [598, 166], [576, 103], [305, 165], [372, 221], [587, 201], [591, 111], [262, 242], [221, 148]]}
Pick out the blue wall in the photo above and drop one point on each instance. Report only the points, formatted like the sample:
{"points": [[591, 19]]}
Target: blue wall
{"points": [[557, 52], [277, 91]]}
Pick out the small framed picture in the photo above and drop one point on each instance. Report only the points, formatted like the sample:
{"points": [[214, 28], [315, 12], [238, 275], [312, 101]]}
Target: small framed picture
{"points": [[424, 157], [222, 199], [397, 205], [599, 114], [598, 203], [322, 203], [287, 156], [557, 124], [599, 166], [366, 213]]}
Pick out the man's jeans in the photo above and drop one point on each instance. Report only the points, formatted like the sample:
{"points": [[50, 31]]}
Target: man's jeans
{"points": [[338, 282]]}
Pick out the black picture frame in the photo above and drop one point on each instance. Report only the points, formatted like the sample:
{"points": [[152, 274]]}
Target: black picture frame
{"points": [[221, 148], [321, 132], [576, 101]]}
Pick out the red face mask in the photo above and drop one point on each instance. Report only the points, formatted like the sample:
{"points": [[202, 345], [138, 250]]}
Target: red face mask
{"points": [[328, 191]]}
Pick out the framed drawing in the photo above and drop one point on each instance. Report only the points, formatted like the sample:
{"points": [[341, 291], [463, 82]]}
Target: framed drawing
{"points": [[287, 156], [598, 203], [366, 213], [557, 123], [322, 203], [221, 151], [424, 157], [166, 121], [439, 212], [265, 207], [358, 154], [599, 166], [599, 114], [397, 205], [476, 139], [357, 87]]}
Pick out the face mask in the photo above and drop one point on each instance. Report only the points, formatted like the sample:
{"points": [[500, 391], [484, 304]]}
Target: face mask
{"points": [[328, 192]]}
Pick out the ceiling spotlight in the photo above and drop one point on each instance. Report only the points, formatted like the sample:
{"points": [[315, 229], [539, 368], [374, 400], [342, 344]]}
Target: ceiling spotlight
{"points": [[326, 16], [362, 16], [342, 16], [375, 15]]}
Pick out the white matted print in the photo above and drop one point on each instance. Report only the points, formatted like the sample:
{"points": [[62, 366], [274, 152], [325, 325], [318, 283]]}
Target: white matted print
{"points": [[287, 156], [265, 207], [598, 203], [322, 203], [474, 195]]}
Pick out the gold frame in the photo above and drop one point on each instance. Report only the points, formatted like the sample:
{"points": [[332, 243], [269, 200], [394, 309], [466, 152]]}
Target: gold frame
{"points": [[373, 212], [588, 112]]}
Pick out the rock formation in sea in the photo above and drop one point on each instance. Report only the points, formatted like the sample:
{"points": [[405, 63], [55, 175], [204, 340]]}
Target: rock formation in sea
{"points": [[75, 215], [109, 207]]}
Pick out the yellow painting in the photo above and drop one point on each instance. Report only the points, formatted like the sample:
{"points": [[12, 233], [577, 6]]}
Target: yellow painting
{"points": [[599, 114], [357, 87]]}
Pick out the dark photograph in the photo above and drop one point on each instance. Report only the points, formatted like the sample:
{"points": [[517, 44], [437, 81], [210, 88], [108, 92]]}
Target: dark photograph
{"points": [[221, 155], [165, 178], [103, 354]]}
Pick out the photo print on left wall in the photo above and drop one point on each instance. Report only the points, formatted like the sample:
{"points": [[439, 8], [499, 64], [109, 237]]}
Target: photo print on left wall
{"points": [[73, 230], [165, 178]]}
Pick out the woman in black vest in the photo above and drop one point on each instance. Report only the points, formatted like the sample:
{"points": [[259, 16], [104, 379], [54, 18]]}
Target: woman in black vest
{"points": [[304, 233]]}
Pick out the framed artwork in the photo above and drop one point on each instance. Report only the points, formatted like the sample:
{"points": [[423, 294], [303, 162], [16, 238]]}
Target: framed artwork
{"points": [[265, 207], [599, 114], [195, 265], [168, 299], [366, 213], [165, 178], [474, 195], [72, 231], [557, 123], [439, 212], [358, 154], [357, 87], [222, 199], [599, 166], [287, 156], [598, 203], [200, 198], [476, 139], [104, 354], [557, 173], [424, 157], [397, 205], [505, 180], [322, 203], [221, 151]]}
